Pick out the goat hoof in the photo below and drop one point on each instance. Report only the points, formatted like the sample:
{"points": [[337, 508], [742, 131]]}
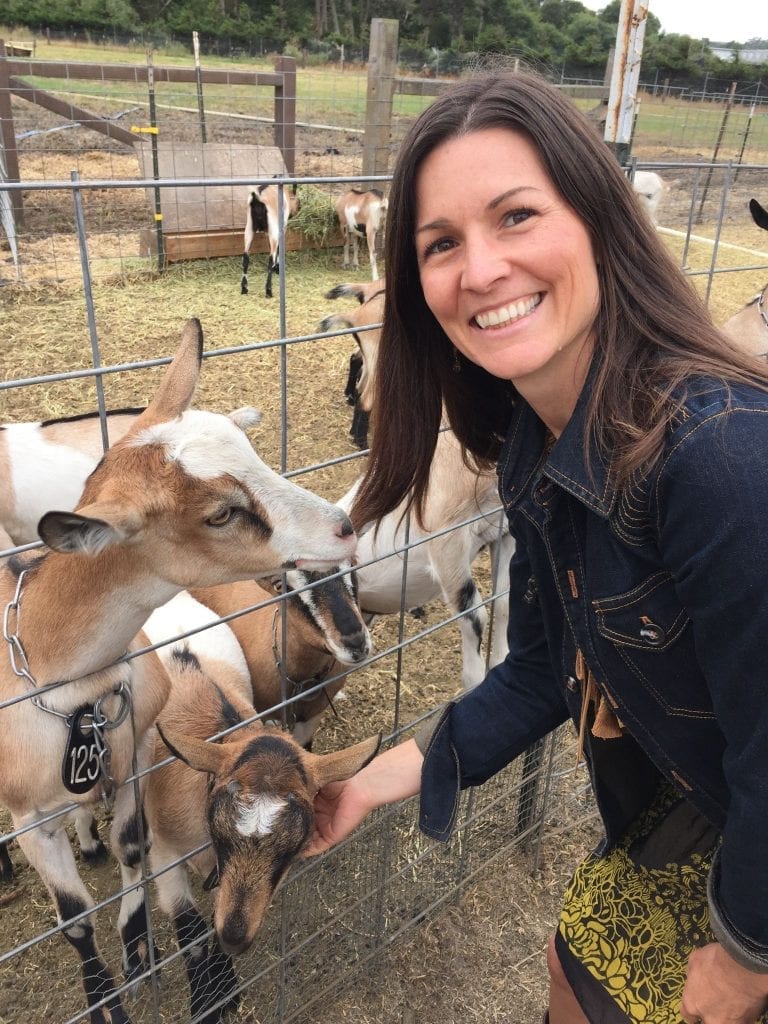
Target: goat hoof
{"points": [[98, 854]]}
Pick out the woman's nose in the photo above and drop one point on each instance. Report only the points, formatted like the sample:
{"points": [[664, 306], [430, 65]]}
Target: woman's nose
{"points": [[483, 264]]}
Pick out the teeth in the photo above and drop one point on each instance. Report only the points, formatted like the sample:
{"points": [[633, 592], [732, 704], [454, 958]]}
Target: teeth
{"points": [[506, 314]]}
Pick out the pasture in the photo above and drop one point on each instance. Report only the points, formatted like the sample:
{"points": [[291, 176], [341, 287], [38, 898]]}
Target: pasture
{"points": [[344, 915]]}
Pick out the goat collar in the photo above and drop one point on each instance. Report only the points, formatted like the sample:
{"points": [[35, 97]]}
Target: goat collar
{"points": [[299, 686]]}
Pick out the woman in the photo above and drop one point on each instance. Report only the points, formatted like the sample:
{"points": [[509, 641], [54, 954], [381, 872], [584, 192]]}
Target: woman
{"points": [[536, 305]]}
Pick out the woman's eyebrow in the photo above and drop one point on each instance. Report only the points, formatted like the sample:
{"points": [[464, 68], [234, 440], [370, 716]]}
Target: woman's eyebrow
{"points": [[441, 223]]}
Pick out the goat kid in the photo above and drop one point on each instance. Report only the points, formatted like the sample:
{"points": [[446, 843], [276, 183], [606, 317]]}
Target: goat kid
{"points": [[362, 363], [181, 500], [263, 215], [247, 799], [749, 327], [360, 216], [324, 633]]}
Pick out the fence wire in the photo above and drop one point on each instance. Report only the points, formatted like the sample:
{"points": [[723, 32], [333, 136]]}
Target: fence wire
{"points": [[333, 915]]}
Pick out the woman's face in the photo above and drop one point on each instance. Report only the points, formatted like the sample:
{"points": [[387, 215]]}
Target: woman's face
{"points": [[506, 266]]}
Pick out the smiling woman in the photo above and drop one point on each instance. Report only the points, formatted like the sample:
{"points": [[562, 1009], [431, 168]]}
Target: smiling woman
{"points": [[533, 310]]}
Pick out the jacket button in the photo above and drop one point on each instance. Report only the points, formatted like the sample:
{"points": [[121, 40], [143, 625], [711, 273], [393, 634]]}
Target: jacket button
{"points": [[652, 634], [571, 683]]}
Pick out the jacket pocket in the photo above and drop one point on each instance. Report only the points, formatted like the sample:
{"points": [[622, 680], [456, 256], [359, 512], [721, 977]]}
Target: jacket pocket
{"points": [[650, 633]]}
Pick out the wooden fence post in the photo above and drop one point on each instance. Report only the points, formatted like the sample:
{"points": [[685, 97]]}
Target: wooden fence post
{"points": [[285, 112], [8, 150], [382, 65]]}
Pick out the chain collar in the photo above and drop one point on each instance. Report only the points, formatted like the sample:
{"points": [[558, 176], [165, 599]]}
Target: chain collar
{"points": [[95, 720], [761, 307], [299, 686]]}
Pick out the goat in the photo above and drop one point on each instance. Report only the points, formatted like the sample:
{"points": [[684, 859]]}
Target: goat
{"points": [[45, 464], [263, 215], [360, 216], [650, 189], [441, 567], [324, 632], [246, 800], [749, 327], [181, 500], [437, 568], [362, 364]]}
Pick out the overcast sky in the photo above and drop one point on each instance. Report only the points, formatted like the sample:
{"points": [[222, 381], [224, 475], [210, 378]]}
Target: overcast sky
{"points": [[717, 20]]}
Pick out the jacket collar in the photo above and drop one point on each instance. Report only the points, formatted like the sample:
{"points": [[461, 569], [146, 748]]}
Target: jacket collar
{"points": [[588, 480]]}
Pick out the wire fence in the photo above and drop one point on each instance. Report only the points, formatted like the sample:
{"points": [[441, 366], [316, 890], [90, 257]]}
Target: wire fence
{"points": [[90, 318]]}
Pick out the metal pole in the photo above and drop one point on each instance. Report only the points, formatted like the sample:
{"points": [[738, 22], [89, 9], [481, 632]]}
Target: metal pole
{"points": [[155, 161], [747, 128], [77, 198], [625, 78], [718, 143], [199, 80]]}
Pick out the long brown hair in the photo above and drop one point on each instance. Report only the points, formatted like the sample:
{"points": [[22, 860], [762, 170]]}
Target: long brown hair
{"points": [[652, 330]]}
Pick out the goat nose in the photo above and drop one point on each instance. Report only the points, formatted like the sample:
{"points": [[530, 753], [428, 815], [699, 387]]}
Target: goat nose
{"points": [[233, 936], [345, 527]]}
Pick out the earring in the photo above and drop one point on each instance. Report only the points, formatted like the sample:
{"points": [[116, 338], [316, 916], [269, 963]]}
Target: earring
{"points": [[456, 363]]}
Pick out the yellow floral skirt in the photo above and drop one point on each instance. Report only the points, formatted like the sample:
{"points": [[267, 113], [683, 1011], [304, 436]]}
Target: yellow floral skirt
{"points": [[631, 918]]}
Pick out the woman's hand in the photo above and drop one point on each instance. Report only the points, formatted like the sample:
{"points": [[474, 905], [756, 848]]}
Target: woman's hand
{"points": [[720, 991], [341, 806]]}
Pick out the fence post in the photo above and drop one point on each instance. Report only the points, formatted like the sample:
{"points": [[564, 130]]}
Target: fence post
{"points": [[285, 111], [382, 64], [8, 151]]}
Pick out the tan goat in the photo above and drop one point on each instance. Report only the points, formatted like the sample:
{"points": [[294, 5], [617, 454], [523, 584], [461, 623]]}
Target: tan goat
{"points": [[365, 326], [360, 216], [749, 327], [182, 500], [249, 795]]}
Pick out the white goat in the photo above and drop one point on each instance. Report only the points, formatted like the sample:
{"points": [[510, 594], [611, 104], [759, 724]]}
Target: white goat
{"points": [[441, 568], [325, 632], [360, 215], [650, 189], [749, 327], [250, 796], [182, 500], [263, 215], [44, 465]]}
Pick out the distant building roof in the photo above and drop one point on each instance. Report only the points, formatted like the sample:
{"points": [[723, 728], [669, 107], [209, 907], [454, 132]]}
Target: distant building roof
{"points": [[747, 56]]}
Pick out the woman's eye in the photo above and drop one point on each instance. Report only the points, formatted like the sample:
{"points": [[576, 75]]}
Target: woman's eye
{"points": [[517, 216], [438, 246], [222, 517]]}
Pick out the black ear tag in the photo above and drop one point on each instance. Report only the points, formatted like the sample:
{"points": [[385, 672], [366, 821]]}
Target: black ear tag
{"points": [[81, 767]]}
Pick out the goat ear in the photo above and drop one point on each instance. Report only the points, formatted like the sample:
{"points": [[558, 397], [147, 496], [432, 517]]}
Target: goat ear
{"points": [[245, 417], [202, 756], [88, 531], [343, 764], [177, 388]]}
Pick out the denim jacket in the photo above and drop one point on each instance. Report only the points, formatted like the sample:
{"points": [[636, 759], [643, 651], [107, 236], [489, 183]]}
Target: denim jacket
{"points": [[663, 588]]}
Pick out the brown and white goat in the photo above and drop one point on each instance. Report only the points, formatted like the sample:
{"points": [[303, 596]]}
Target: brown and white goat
{"points": [[324, 632], [360, 216], [364, 324], [462, 507], [264, 215], [236, 812], [181, 500], [749, 327]]}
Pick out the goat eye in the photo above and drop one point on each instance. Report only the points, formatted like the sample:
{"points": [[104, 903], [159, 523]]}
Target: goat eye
{"points": [[222, 517]]}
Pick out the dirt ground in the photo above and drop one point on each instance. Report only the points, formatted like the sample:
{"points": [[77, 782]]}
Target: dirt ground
{"points": [[482, 959]]}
